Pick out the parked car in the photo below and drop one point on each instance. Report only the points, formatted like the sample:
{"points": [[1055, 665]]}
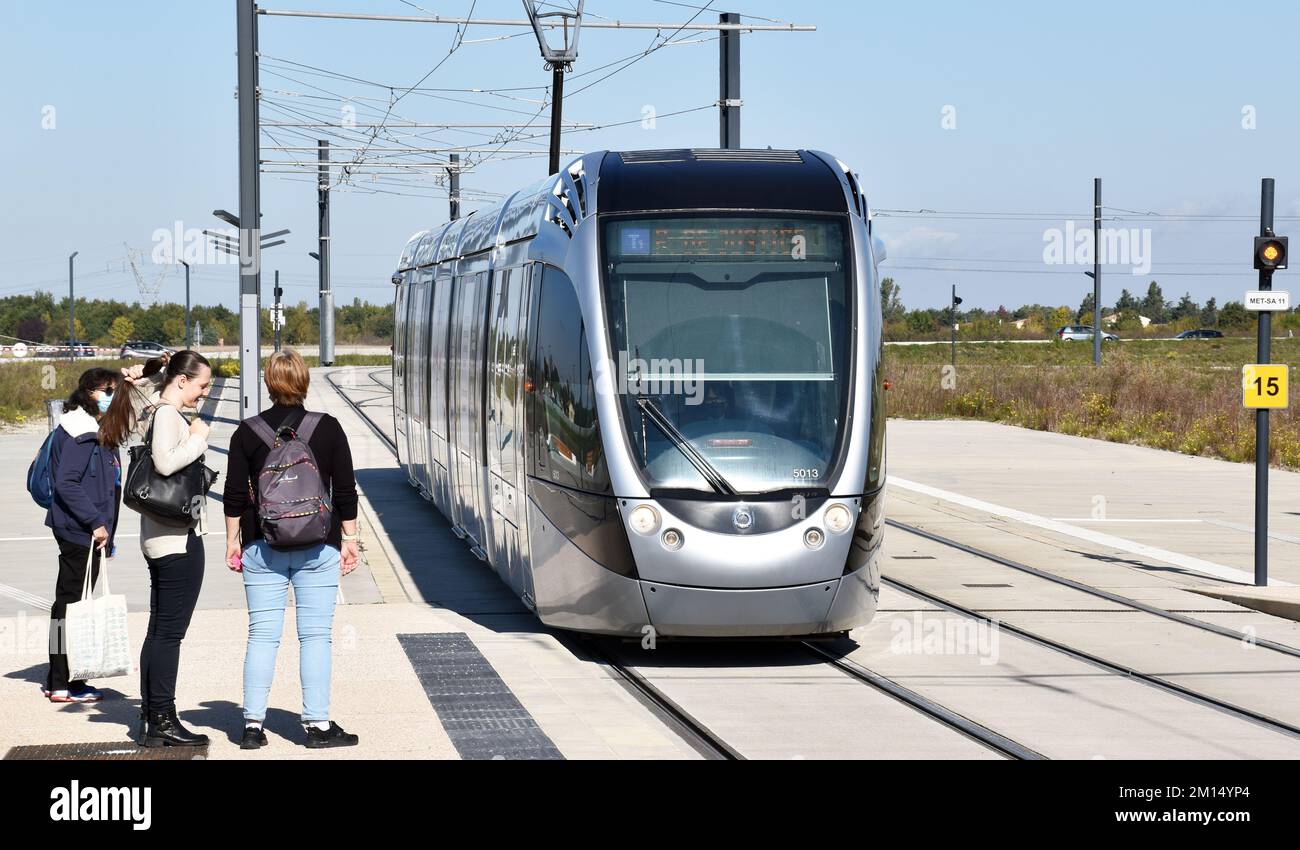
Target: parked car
{"points": [[77, 347], [141, 348], [1203, 333], [1071, 333]]}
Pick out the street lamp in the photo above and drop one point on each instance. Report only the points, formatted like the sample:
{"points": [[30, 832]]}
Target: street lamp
{"points": [[558, 59], [188, 343], [72, 311]]}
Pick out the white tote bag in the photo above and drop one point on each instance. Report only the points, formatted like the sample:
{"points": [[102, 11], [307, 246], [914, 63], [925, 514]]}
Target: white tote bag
{"points": [[95, 630]]}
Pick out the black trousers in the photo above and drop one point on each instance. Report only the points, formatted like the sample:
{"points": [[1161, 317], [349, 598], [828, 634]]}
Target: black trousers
{"points": [[174, 582], [67, 588]]}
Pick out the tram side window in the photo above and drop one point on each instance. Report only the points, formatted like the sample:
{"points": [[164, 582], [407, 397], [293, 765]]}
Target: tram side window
{"points": [[564, 427]]}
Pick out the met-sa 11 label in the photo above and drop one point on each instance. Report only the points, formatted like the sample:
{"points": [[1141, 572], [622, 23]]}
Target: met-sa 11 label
{"points": [[1264, 385], [1269, 301]]}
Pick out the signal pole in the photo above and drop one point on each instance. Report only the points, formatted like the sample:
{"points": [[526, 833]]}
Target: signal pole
{"points": [[953, 326], [1262, 355], [1096, 271], [277, 312]]}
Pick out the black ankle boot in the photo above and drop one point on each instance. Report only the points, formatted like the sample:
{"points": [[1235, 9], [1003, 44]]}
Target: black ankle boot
{"points": [[165, 730]]}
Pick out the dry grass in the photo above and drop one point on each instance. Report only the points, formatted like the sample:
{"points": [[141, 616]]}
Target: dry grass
{"points": [[25, 385], [1162, 402]]}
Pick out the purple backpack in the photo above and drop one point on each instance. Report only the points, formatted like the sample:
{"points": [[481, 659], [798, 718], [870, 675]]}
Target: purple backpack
{"points": [[293, 507]]}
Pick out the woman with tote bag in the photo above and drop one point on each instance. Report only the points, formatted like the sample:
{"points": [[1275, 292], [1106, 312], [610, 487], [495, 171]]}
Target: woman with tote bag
{"points": [[85, 477], [173, 551]]}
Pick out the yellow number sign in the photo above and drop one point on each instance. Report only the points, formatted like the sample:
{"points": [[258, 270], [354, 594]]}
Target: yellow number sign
{"points": [[1264, 385]]}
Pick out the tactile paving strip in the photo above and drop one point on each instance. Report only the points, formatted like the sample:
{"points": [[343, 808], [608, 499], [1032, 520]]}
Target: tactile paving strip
{"points": [[482, 717], [109, 751]]}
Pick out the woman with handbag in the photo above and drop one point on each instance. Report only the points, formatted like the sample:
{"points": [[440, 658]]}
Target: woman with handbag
{"points": [[170, 541], [85, 476]]}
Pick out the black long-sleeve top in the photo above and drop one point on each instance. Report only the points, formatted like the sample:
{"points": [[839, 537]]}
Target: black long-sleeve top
{"points": [[248, 454]]}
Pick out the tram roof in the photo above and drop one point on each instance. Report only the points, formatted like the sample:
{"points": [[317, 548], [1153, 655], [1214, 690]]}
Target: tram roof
{"points": [[642, 181]]}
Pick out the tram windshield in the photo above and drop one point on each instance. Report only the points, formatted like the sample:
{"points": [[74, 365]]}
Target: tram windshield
{"points": [[736, 331]]}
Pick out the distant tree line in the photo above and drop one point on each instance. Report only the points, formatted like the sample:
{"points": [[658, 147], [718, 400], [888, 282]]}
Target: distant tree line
{"points": [[1027, 321], [39, 318]]}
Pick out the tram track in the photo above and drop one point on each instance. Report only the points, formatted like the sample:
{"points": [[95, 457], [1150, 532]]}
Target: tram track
{"points": [[709, 744], [972, 729], [357, 409], [1118, 599], [1155, 681]]}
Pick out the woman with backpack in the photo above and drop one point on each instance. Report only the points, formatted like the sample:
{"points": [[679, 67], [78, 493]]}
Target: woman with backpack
{"points": [[84, 482], [174, 552], [291, 519]]}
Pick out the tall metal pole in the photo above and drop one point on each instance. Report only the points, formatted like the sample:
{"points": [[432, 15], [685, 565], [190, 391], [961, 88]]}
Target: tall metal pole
{"points": [[250, 221], [188, 339], [1261, 416], [729, 83], [557, 112], [72, 311], [453, 186], [326, 294], [1096, 271]]}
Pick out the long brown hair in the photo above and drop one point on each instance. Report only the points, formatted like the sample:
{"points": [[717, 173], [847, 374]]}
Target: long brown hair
{"points": [[117, 424]]}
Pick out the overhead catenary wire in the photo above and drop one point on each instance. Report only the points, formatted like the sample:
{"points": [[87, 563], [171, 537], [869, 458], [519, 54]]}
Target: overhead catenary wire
{"points": [[504, 22]]}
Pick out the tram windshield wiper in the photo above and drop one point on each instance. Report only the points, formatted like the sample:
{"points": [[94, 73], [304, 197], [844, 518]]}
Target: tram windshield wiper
{"points": [[697, 460]]}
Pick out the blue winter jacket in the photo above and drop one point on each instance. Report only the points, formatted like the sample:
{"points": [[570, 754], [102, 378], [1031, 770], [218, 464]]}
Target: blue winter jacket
{"points": [[85, 493]]}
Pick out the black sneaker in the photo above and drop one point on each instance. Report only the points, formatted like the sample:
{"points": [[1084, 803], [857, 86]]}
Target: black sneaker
{"points": [[331, 737], [254, 738]]}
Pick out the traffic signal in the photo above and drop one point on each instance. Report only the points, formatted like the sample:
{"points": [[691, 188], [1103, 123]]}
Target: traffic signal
{"points": [[1270, 253]]}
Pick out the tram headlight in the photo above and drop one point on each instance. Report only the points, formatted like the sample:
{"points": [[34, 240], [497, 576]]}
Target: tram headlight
{"points": [[672, 540], [644, 519], [813, 538], [838, 519]]}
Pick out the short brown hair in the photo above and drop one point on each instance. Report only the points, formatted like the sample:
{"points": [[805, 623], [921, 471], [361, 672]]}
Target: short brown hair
{"points": [[287, 377]]}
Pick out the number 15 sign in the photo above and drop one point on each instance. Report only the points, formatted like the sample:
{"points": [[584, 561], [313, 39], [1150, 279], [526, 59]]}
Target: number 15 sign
{"points": [[1264, 385]]}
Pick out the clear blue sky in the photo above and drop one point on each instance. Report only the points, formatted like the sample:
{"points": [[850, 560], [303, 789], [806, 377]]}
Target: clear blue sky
{"points": [[1148, 96]]}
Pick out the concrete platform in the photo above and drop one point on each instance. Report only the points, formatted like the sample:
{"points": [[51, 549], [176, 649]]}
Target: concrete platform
{"points": [[416, 577], [1278, 601]]}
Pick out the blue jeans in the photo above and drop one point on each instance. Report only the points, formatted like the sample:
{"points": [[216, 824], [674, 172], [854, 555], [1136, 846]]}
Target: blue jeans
{"points": [[314, 574]]}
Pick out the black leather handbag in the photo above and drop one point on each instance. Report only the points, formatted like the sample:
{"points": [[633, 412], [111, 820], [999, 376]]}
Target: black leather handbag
{"points": [[174, 499]]}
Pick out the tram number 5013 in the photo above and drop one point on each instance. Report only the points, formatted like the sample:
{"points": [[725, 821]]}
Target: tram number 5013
{"points": [[1264, 385], [806, 474]]}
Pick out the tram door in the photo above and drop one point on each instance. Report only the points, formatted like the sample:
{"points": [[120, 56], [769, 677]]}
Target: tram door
{"points": [[400, 406], [439, 375], [418, 345], [505, 422], [466, 391]]}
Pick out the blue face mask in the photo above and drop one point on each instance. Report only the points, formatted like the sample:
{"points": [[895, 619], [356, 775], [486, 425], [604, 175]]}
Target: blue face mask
{"points": [[104, 401]]}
